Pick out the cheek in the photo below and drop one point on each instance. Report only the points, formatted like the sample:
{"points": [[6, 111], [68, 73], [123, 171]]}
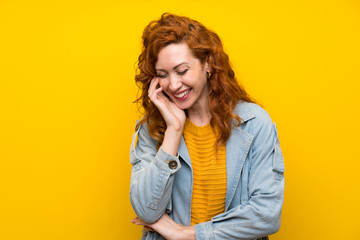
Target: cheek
{"points": [[163, 83]]}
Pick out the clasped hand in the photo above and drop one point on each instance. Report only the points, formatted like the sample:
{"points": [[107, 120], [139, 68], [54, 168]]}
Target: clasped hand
{"points": [[168, 228]]}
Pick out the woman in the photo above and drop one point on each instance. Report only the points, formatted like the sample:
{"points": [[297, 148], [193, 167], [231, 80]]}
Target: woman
{"points": [[207, 162]]}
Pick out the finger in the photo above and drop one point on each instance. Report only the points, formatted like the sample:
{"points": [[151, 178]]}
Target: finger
{"points": [[154, 82], [157, 94], [163, 97], [149, 229], [158, 91], [138, 221], [153, 94]]}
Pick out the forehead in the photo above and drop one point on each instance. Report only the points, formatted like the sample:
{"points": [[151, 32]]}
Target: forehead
{"points": [[174, 54]]}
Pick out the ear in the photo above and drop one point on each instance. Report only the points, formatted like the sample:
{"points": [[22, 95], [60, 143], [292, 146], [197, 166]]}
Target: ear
{"points": [[207, 64]]}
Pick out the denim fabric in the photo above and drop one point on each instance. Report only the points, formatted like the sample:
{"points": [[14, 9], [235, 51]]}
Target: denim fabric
{"points": [[255, 181]]}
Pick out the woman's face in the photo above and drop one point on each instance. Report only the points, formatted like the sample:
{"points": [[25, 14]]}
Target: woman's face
{"points": [[182, 76]]}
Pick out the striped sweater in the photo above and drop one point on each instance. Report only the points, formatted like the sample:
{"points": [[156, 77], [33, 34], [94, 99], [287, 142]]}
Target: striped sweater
{"points": [[209, 172]]}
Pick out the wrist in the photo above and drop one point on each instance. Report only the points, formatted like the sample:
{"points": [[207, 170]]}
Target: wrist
{"points": [[188, 233], [171, 141], [175, 129]]}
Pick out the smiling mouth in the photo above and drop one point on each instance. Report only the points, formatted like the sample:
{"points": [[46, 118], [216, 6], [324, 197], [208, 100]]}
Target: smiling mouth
{"points": [[182, 94]]}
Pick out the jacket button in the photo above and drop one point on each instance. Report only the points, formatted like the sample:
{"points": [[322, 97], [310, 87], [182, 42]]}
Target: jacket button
{"points": [[173, 164]]}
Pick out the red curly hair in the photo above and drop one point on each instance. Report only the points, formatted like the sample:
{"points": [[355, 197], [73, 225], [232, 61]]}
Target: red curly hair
{"points": [[225, 91]]}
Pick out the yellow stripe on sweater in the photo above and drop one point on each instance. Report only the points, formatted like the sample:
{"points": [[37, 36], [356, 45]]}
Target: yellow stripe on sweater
{"points": [[209, 172]]}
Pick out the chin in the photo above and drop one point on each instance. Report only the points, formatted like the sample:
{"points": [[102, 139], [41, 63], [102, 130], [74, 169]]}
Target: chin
{"points": [[183, 106]]}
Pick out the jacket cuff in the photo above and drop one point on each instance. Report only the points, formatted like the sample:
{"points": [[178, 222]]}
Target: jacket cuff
{"points": [[203, 231], [167, 162]]}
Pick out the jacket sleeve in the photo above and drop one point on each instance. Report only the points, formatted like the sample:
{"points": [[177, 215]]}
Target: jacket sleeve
{"points": [[151, 177], [260, 215]]}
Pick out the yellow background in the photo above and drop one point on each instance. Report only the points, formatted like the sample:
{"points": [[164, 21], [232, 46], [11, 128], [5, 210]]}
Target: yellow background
{"points": [[67, 86]]}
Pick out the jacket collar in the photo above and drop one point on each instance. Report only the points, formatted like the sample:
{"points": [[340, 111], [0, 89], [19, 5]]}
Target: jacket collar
{"points": [[245, 111]]}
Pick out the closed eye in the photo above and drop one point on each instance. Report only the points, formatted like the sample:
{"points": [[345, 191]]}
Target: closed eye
{"points": [[162, 76], [183, 72]]}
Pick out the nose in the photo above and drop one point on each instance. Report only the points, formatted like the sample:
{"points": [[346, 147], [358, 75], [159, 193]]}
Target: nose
{"points": [[174, 83]]}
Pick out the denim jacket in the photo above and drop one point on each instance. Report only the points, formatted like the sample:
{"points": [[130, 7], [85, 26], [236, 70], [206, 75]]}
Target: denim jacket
{"points": [[255, 181]]}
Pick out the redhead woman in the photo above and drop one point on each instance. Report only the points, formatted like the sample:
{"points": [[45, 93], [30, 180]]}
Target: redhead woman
{"points": [[206, 159]]}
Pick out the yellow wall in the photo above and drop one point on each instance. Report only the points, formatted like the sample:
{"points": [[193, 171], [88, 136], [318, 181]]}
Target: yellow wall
{"points": [[66, 112]]}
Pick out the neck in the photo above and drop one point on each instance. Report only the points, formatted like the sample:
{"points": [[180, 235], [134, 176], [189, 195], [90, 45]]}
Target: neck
{"points": [[200, 116]]}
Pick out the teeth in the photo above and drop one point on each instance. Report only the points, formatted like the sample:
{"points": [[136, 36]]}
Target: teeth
{"points": [[182, 94]]}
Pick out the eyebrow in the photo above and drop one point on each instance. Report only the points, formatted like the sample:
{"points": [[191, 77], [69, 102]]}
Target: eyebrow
{"points": [[158, 69]]}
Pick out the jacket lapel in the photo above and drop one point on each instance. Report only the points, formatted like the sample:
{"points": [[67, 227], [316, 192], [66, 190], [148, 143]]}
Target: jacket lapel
{"points": [[183, 152], [237, 148]]}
